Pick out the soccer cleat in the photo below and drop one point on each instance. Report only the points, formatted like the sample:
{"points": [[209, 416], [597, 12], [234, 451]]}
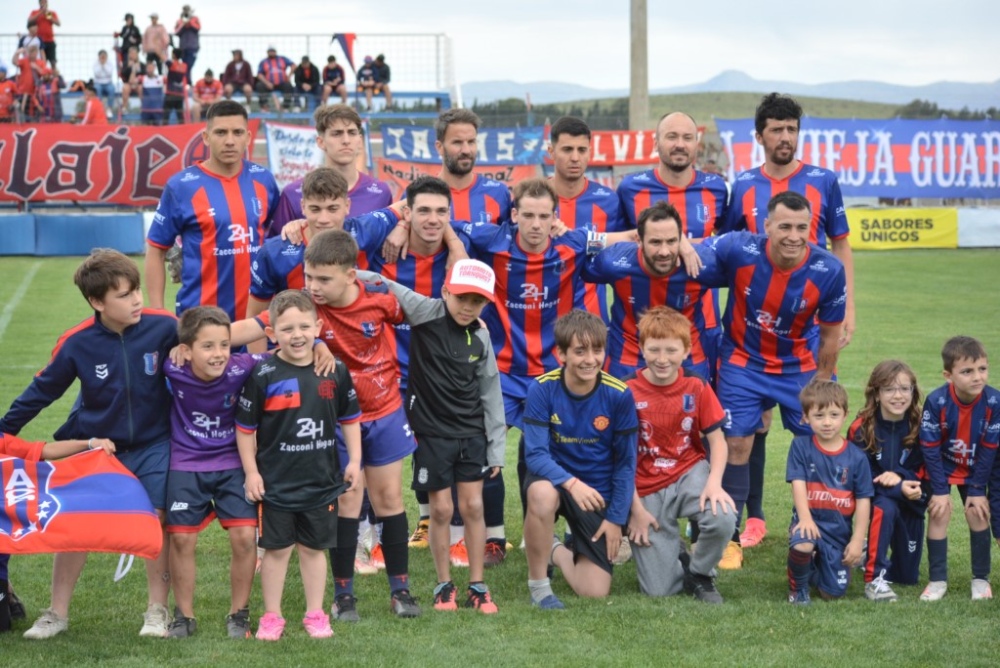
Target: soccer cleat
{"points": [[17, 610], [345, 608], [702, 587], [981, 590], [419, 538], [934, 591], [238, 624], [444, 597], [879, 590], [270, 627], [402, 604], [800, 597], [47, 625], [624, 553], [732, 557], [362, 562], [480, 599], [377, 559], [317, 624], [496, 552], [155, 622], [181, 626], [550, 602], [754, 533], [459, 555]]}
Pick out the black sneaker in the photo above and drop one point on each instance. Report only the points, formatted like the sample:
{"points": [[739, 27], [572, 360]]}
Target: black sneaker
{"points": [[702, 587], [685, 560], [181, 626], [403, 604], [238, 624], [17, 610], [345, 609]]}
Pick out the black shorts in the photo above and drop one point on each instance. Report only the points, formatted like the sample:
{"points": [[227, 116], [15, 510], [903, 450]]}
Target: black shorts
{"points": [[173, 102], [440, 462], [583, 523], [315, 528]]}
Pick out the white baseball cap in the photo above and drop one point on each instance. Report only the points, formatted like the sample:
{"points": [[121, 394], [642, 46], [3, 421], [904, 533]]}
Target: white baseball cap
{"points": [[471, 277]]}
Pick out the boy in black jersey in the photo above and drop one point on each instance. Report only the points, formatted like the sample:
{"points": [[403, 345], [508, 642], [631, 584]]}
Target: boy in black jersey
{"points": [[286, 424]]}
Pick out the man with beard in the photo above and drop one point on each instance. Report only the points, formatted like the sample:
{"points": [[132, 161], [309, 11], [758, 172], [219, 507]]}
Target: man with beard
{"points": [[474, 197], [777, 124]]}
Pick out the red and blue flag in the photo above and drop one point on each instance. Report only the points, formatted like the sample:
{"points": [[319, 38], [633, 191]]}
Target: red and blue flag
{"points": [[346, 41]]}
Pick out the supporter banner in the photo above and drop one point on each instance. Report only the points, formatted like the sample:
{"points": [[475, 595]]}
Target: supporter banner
{"points": [[624, 147], [896, 158], [497, 146], [292, 151], [400, 173], [892, 229], [112, 164], [84, 503]]}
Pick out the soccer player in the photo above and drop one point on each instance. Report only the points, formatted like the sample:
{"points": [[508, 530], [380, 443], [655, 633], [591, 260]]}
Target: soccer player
{"points": [[116, 355], [474, 197], [580, 441], [340, 135], [582, 202], [783, 293], [831, 485], [220, 209], [673, 478], [958, 435]]}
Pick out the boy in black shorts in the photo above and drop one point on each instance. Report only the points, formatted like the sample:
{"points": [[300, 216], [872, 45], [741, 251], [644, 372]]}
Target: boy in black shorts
{"points": [[295, 414], [455, 407]]}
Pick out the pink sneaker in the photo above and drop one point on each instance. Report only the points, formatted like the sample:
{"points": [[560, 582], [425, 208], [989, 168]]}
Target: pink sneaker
{"points": [[317, 624], [270, 627], [754, 533]]}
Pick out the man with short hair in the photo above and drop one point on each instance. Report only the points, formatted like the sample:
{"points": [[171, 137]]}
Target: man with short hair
{"points": [[206, 92], [46, 20], [274, 74], [156, 41], [306, 78], [474, 197], [367, 81], [333, 80], [238, 76], [187, 28], [383, 75]]}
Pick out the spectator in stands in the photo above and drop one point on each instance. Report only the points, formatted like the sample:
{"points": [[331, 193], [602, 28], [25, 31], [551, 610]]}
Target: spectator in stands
{"points": [[93, 108], [187, 28], [273, 75], [156, 41], [46, 19], [50, 95], [367, 81], [24, 41], [306, 79], [131, 72], [129, 36], [238, 76], [152, 95], [333, 81], [104, 79], [383, 75], [8, 97], [206, 92], [175, 88], [31, 68]]}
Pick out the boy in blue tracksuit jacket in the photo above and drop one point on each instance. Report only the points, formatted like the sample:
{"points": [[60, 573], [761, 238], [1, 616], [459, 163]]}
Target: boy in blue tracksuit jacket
{"points": [[117, 355]]}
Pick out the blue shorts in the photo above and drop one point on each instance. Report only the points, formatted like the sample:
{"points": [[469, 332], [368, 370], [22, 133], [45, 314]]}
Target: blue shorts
{"points": [[150, 465], [194, 498], [515, 393], [745, 395], [829, 574], [383, 441]]}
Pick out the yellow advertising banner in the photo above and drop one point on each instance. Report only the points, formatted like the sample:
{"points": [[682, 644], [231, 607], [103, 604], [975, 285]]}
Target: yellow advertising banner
{"points": [[895, 229]]}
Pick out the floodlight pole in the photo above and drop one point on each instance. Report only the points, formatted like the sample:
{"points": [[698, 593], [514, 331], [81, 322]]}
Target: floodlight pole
{"points": [[638, 99]]}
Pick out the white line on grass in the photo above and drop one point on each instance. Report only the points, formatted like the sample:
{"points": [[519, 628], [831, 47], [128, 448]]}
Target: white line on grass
{"points": [[8, 310]]}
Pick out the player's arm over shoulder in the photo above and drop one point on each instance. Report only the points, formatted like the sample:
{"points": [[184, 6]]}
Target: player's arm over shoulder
{"points": [[417, 308]]}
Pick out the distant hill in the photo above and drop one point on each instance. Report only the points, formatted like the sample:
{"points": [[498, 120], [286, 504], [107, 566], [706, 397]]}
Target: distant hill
{"points": [[947, 94]]}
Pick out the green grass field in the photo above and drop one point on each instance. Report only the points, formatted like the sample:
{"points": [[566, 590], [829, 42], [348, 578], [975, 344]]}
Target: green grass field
{"points": [[908, 302]]}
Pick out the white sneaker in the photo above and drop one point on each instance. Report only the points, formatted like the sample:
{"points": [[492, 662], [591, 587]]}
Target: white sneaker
{"points": [[879, 590], [935, 590], [981, 590], [46, 626], [363, 563], [155, 622]]}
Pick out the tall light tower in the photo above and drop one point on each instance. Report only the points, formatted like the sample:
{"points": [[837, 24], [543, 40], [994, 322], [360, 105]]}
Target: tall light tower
{"points": [[638, 99]]}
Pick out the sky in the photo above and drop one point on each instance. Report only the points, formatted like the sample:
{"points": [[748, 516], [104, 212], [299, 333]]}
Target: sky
{"points": [[587, 41]]}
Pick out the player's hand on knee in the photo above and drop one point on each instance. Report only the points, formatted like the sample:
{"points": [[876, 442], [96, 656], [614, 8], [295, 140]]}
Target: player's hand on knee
{"points": [[639, 523], [586, 496], [978, 508], [807, 529], [612, 535], [939, 506], [716, 498], [911, 490]]}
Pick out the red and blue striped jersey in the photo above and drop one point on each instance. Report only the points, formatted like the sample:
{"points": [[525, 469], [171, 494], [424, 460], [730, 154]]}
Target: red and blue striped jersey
{"points": [[753, 189], [275, 70], [221, 222], [598, 209], [279, 264], [636, 290], [960, 440], [532, 291], [772, 313], [485, 201]]}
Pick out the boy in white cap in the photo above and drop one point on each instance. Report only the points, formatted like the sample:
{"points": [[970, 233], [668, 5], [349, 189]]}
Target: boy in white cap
{"points": [[455, 408]]}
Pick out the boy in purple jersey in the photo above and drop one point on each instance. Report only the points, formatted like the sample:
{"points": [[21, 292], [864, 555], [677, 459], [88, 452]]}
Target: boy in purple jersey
{"points": [[959, 432], [831, 485], [340, 135], [220, 209]]}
